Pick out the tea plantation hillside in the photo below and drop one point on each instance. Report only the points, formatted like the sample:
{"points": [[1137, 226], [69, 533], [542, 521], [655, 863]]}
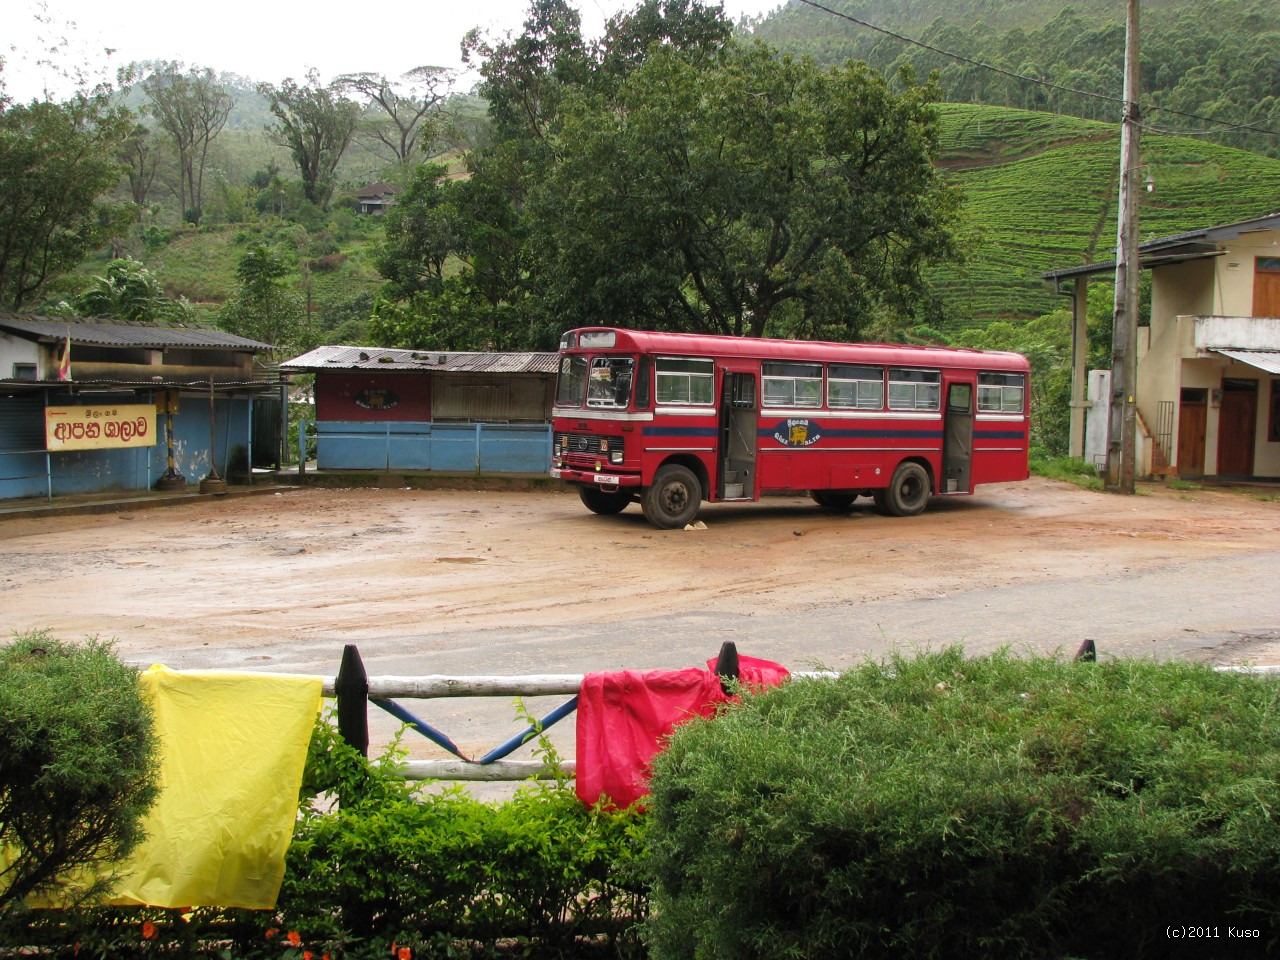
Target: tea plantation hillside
{"points": [[1041, 192]]}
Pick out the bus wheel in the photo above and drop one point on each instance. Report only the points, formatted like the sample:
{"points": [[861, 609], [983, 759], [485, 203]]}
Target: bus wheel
{"points": [[833, 499], [673, 499], [602, 501], [907, 493]]}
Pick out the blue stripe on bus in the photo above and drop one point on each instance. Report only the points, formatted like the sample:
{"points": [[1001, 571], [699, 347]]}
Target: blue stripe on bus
{"points": [[998, 434], [679, 431]]}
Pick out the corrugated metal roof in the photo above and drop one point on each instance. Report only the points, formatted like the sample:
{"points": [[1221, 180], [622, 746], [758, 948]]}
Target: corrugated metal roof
{"points": [[1190, 245], [116, 334], [1265, 360], [382, 358]]}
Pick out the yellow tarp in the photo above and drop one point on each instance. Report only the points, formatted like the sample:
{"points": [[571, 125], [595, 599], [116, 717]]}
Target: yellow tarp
{"points": [[232, 749]]}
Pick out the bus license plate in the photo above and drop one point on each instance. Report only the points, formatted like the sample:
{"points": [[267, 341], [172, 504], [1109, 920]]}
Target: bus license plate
{"points": [[602, 478]]}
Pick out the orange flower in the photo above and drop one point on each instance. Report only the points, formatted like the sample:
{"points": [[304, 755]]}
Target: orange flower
{"points": [[308, 955], [294, 937], [271, 932], [149, 931], [404, 953]]}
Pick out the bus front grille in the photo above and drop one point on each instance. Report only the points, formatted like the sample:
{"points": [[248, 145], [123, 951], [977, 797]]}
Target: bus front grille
{"points": [[585, 449]]}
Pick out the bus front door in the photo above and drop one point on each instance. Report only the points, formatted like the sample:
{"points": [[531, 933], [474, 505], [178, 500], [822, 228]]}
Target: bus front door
{"points": [[957, 442], [737, 480]]}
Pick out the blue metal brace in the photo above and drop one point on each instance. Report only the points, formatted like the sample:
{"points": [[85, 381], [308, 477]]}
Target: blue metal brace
{"points": [[497, 753], [424, 728], [559, 713]]}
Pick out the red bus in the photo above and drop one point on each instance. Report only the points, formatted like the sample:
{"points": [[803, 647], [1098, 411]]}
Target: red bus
{"points": [[673, 419]]}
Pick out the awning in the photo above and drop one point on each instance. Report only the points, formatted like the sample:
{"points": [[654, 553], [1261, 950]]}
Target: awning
{"points": [[1267, 360]]}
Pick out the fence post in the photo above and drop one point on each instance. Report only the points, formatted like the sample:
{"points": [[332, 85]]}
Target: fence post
{"points": [[351, 688], [727, 668]]}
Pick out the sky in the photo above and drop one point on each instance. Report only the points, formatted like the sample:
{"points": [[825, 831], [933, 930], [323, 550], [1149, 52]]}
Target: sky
{"points": [[264, 40]]}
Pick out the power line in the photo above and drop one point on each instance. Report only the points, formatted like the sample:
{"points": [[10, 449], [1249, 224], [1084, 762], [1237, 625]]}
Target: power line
{"points": [[1040, 81]]}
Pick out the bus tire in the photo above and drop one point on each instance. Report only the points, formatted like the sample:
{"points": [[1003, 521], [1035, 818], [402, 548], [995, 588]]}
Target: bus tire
{"points": [[833, 499], [907, 493], [604, 502], [673, 499]]}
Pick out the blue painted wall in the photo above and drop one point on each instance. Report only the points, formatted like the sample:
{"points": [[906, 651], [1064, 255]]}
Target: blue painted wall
{"points": [[26, 470], [444, 447]]}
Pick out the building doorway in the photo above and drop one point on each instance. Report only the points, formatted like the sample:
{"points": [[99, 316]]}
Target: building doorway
{"points": [[1193, 419], [1237, 427]]}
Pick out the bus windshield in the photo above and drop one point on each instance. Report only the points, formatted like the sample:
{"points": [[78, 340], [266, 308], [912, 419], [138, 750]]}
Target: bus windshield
{"points": [[610, 381], [605, 381]]}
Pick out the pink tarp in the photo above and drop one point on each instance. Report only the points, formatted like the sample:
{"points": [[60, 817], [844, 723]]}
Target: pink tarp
{"points": [[624, 718]]}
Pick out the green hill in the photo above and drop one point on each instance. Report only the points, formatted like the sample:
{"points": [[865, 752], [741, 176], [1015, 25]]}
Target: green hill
{"points": [[1041, 191]]}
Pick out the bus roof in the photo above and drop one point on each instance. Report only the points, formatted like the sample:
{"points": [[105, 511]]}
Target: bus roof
{"points": [[712, 345]]}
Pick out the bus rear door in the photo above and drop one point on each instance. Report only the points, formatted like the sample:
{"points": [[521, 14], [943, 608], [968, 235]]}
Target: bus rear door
{"points": [[957, 442], [737, 454]]}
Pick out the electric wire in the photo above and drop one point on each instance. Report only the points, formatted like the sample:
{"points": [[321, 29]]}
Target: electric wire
{"points": [[1040, 81]]}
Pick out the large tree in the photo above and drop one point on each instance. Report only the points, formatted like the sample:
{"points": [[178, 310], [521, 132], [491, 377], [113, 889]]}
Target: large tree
{"points": [[750, 196], [406, 113], [192, 108], [668, 177], [142, 159], [57, 163], [316, 123]]}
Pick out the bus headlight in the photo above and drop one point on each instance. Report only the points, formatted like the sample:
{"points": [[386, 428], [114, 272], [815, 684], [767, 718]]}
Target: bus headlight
{"points": [[615, 456]]}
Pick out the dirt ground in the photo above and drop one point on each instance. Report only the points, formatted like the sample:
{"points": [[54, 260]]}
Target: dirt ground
{"points": [[482, 582]]}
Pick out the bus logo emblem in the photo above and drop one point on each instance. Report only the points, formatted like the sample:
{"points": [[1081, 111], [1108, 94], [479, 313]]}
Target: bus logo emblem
{"points": [[797, 433]]}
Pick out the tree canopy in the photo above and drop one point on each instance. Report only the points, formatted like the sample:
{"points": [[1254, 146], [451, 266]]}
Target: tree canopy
{"points": [[671, 177], [263, 308], [316, 123], [192, 107], [751, 195], [57, 163]]}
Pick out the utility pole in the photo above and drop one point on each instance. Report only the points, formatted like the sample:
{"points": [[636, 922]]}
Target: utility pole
{"points": [[1121, 446]]}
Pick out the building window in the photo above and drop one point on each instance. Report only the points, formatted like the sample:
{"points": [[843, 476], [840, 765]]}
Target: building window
{"points": [[914, 389], [792, 384], [1001, 392], [853, 387], [24, 371]]}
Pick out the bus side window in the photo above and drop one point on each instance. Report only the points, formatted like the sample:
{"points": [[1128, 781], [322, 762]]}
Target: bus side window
{"points": [[855, 386], [911, 389], [1000, 392], [792, 384]]}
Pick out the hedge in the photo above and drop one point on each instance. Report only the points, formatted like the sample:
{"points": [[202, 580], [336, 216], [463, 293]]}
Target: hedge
{"points": [[950, 807]]}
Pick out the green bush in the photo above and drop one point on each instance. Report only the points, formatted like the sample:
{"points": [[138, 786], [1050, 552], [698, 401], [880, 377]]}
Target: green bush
{"points": [[77, 772], [945, 807], [374, 862], [450, 875]]}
